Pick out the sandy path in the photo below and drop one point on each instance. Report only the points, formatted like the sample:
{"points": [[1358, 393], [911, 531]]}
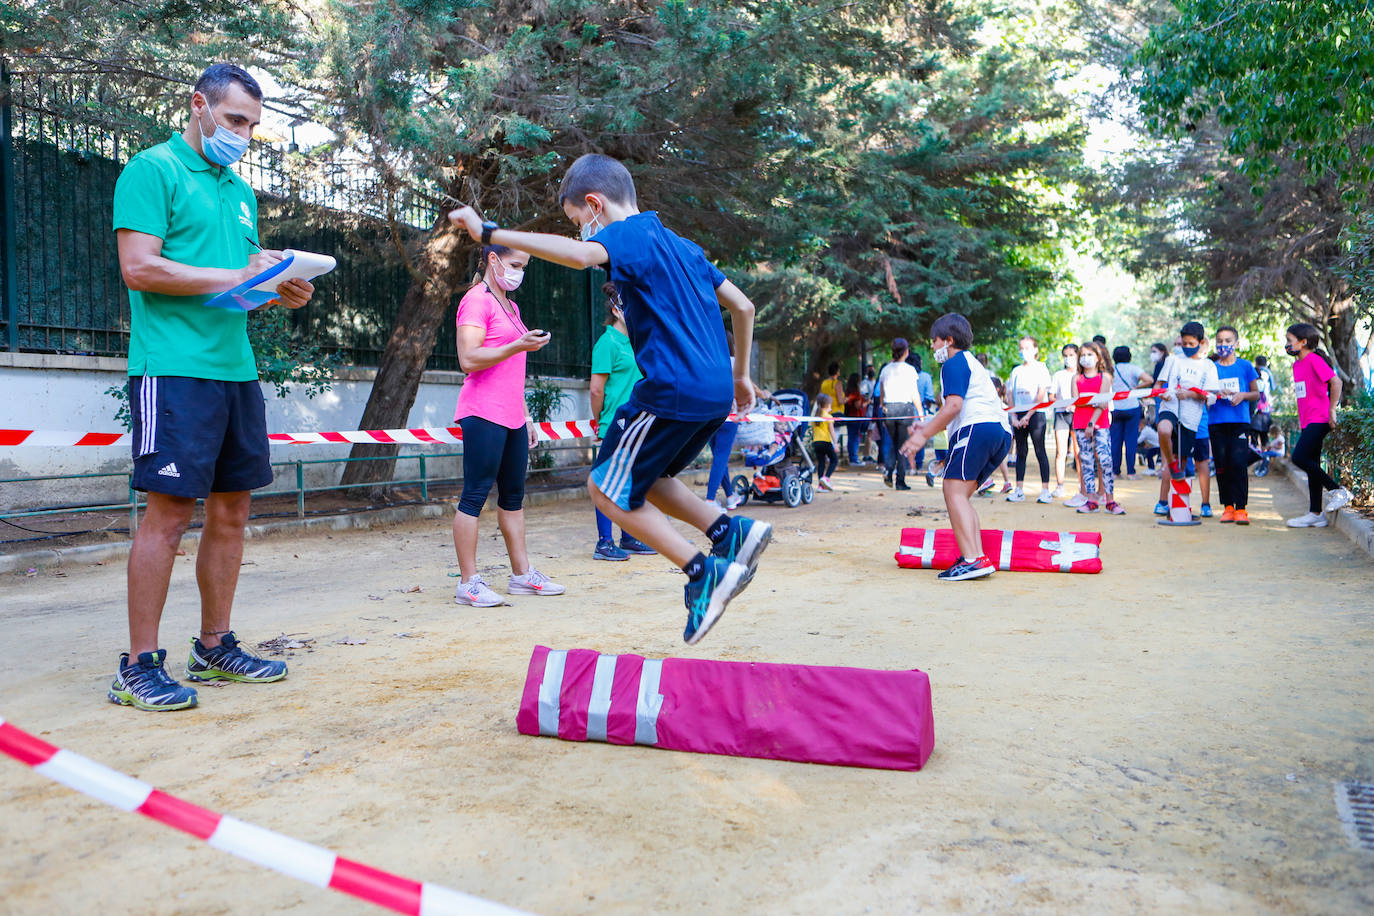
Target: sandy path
{"points": [[1139, 740]]}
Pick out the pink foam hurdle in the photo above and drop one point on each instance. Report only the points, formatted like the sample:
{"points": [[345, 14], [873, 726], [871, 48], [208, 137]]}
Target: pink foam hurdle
{"points": [[804, 713]]}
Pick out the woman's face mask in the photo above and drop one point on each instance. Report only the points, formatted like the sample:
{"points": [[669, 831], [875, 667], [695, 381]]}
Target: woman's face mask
{"points": [[1087, 360], [508, 278]]}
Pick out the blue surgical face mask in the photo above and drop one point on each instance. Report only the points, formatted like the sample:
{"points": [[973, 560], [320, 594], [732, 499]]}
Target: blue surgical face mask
{"points": [[1190, 352], [1225, 349], [223, 147], [591, 228]]}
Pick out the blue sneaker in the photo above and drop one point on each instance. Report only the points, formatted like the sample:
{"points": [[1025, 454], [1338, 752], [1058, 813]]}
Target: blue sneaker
{"points": [[707, 597], [606, 550], [1161, 508], [1206, 510], [744, 542], [146, 685], [228, 662], [631, 544]]}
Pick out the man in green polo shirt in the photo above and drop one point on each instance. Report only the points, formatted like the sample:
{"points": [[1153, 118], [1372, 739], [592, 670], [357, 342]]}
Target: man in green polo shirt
{"points": [[187, 229]]}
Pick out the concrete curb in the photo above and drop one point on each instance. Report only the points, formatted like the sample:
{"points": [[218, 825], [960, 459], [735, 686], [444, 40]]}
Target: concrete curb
{"points": [[1352, 524], [396, 515]]}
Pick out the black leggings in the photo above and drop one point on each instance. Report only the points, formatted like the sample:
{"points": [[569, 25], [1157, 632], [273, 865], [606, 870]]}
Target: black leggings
{"points": [[826, 458], [1231, 449], [493, 453], [1307, 457], [1035, 432]]}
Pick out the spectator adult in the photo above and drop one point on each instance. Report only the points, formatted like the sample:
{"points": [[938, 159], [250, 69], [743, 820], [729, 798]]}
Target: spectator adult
{"points": [[832, 386], [1028, 385], [498, 431], [614, 375], [1262, 417], [186, 228], [1126, 413], [899, 385]]}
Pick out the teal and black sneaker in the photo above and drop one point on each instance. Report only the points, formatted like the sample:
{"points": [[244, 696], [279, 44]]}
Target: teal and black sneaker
{"points": [[228, 662], [744, 543], [146, 685], [706, 597]]}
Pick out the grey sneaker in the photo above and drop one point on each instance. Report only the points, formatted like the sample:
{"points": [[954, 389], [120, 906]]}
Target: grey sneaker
{"points": [[476, 593], [534, 583], [1338, 499]]}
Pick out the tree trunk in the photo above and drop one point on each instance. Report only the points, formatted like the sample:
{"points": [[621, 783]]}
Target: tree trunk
{"points": [[440, 266], [1340, 331]]}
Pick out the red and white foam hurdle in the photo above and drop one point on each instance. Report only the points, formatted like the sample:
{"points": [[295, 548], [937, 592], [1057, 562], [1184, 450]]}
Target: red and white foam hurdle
{"points": [[1017, 551], [1180, 491], [283, 854], [804, 713]]}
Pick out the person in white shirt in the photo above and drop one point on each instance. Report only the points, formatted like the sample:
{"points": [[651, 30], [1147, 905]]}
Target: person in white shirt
{"points": [[1028, 385], [1061, 387], [899, 387], [1181, 409]]}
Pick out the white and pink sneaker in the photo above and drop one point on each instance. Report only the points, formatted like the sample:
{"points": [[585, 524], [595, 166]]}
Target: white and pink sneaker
{"points": [[534, 583]]}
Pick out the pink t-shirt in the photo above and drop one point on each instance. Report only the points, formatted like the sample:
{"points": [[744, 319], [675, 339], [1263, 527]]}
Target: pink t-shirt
{"points": [[1310, 375], [1081, 415], [496, 393]]}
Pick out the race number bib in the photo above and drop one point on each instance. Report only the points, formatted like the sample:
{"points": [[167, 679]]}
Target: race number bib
{"points": [[1230, 385], [1300, 390]]}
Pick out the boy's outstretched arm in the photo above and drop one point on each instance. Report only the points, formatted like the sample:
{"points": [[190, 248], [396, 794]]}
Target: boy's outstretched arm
{"points": [[559, 249], [742, 323]]}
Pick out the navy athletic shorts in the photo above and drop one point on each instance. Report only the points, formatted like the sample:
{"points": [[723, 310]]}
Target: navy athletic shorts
{"points": [[637, 448], [977, 451], [193, 436]]}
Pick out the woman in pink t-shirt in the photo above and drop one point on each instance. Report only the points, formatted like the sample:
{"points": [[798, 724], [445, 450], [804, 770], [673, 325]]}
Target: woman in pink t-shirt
{"points": [[1318, 390], [497, 431]]}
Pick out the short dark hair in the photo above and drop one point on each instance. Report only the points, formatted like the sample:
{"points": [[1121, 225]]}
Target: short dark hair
{"points": [[832, 369], [1068, 346], [597, 174], [1227, 327], [915, 359], [955, 327], [217, 78], [1261, 361], [1098, 338], [1193, 329], [1121, 355]]}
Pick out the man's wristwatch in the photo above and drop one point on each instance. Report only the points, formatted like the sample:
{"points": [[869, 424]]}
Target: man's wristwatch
{"points": [[488, 227]]}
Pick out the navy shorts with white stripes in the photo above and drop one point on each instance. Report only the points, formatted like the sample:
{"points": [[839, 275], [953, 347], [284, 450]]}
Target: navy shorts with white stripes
{"points": [[976, 451], [193, 437], [638, 448]]}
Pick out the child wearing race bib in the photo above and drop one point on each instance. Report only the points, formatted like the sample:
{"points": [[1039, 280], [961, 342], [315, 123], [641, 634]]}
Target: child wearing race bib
{"points": [[1318, 390], [978, 444]]}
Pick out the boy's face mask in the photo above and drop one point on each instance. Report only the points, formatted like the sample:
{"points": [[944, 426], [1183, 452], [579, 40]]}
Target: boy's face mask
{"points": [[1190, 352], [591, 227], [942, 353], [1224, 350]]}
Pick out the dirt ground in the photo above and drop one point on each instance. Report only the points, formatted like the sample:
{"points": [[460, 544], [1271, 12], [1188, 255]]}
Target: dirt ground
{"points": [[1162, 737]]}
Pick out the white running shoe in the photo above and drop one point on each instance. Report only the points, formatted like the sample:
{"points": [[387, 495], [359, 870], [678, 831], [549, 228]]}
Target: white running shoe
{"points": [[1016, 496], [824, 483], [1058, 493], [1044, 498], [476, 593], [1338, 499], [1310, 520], [534, 583], [732, 502], [1075, 501]]}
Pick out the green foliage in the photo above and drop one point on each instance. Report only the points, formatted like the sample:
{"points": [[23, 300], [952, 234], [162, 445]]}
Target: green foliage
{"points": [[1348, 447], [1285, 78], [543, 399], [284, 358]]}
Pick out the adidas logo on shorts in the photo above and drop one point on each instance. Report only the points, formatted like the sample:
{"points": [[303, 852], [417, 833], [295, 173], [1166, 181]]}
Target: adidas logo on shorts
{"points": [[169, 471]]}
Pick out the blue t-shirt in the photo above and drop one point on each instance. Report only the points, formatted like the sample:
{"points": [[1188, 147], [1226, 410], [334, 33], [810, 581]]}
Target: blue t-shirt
{"points": [[1238, 376], [668, 290]]}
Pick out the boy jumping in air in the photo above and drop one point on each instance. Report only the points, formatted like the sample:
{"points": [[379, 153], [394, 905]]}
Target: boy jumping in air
{"points": [[978, 443], [671, 297]]}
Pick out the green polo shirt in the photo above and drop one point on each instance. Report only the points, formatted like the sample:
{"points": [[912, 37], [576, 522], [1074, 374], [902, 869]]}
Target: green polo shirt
{"points": [[614, 356], [204, 216]]}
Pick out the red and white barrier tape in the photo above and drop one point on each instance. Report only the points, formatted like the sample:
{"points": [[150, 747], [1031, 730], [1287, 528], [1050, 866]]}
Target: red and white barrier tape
{"points": [[283, 854], [1094, 400], [547, 432]]}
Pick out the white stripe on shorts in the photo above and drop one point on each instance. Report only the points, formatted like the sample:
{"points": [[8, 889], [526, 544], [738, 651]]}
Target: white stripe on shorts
{"points": [[619, 476], [148, 414]]}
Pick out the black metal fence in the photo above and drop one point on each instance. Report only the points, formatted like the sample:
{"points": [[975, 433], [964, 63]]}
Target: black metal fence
{"points": [[63, 141]]}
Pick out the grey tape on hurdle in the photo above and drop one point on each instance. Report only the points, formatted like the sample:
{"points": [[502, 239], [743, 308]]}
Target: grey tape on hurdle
{"points": [[549, 690], [600, 705], [1004, 561], [649, 703], [1066, 555]]}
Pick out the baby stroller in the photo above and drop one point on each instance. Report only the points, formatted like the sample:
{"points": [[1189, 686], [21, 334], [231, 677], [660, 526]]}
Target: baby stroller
{"points": [[783, 467]]}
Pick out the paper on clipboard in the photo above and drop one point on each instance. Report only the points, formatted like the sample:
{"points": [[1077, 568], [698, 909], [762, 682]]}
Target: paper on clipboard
{"points": [[259, 290]]}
